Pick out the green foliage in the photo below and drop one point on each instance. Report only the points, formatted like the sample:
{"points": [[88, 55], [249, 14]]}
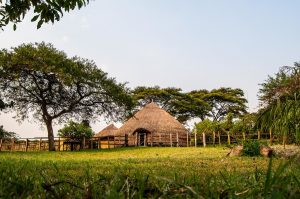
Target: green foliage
{"points": [[181, 105], [245, 123], [76, 131], [45, 11], [251, 148], [43, 82], [280, 97], [6, 134], [207, 126], [146, 173], [222, 101]]}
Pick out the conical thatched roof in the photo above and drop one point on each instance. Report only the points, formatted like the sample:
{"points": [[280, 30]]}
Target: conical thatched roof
{"points": [[153, 119], [107, 131]]}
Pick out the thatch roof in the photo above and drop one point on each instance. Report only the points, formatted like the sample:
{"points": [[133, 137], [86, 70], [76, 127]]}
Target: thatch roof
{"points": [[107, 131], [153, 119]]}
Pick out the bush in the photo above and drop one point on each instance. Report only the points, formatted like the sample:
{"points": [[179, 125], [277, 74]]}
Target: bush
{"points": [[251, 148], [76, 131]]}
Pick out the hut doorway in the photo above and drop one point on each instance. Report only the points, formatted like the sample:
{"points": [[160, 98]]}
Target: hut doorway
{"points": [[141, 137]]}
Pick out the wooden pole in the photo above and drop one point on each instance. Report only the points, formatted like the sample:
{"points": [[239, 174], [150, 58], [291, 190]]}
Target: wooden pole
{"points": [[12, 143], [58, 143], [187, 138], [177, 139], [114, 142], [228, 138], [271, 137], [108, 144], [284, 140], [171, 142], [214, 138], [244, 136], [145, 139], [136, 139], [195, 134], [99, 143], [40, 144], [258, 135], [126, 140], [219, 136], [159, 139], [83, 143], [26, 145], [1, 144], [204, 139]]}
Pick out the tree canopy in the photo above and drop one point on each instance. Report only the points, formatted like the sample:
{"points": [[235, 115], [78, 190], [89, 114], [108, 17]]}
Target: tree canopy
{"points": [[43, 82], [76, 131], [280, 100], [222, 101], [14, 11], [181, 105]]}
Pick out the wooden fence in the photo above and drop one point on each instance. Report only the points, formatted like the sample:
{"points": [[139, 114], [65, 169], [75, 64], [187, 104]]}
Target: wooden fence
{"points": [[203, 139], [62, 143], [68, 144]]}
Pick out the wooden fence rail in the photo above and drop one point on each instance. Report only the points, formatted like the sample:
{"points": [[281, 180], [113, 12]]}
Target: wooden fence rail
{"points": [[66, 144]]}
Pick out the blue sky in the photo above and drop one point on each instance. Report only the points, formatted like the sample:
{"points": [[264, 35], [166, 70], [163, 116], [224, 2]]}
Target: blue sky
{"points": [[187, 44]]}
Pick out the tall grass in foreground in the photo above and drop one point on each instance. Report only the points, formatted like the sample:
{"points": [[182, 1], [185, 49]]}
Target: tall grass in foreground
{"points": [[147, 178]]}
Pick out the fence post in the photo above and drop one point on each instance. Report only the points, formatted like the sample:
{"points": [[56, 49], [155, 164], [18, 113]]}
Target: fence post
{"points": [[40, 144], [58, 143], [115, 142], [219, 136], [136, 139], [244, 136], [228, 137], [177, 139], [204, 139], [187, 139], [83, 143], [258, 135], [1, 144], [12, 143], [171, 141], [214, 138], [26, 145], [99, 143], [195, 134], [126, 140], [271, 137]]}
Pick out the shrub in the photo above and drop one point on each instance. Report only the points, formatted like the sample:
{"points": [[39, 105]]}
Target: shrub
{"points": [[76, 131], [251, 148]]}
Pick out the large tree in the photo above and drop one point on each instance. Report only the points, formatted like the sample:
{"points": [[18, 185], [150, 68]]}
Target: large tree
{"points": [[280, 103], [14, 11], [181, 105], [43, 82], [222, 101]]}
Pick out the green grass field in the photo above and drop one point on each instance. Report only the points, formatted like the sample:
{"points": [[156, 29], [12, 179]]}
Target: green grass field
{"points": [[146, 173]]}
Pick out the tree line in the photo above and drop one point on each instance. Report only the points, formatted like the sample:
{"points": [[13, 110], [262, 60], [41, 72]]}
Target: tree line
{"points": [[42, 82]]}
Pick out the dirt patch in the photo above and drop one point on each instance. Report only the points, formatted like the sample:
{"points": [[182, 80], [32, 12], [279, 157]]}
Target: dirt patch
{"points": [[288, 152]]}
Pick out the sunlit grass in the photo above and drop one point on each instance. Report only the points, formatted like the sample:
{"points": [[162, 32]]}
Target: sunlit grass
{"points": [[177, 172]]}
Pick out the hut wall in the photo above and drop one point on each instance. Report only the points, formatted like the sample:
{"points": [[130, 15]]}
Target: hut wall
{"points": [[161, 139]]}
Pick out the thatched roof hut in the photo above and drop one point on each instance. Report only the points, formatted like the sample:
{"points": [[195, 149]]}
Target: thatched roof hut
{"points": [[154, 126], [108, 131]]}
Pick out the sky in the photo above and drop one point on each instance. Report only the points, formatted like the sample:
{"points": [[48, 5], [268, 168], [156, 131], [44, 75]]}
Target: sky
{"points": [[190, 44]]}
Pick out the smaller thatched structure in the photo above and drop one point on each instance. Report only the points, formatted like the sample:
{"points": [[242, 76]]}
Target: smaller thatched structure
{"points": [[153, 126], [108, 131]]}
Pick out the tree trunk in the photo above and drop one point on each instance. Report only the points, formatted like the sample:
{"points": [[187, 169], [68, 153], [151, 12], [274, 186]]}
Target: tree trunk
{"points": [[50, 135]]}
